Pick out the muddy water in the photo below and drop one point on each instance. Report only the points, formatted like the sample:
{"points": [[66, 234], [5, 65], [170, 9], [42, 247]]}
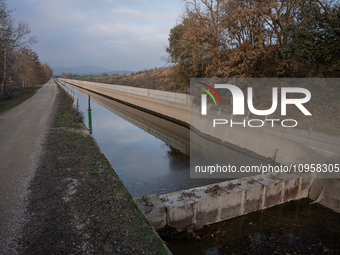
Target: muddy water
{"points": [[292, 228], [150, 154]]}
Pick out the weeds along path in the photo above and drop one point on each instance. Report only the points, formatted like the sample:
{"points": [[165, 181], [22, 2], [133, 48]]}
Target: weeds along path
{"points": [[22, 131]]}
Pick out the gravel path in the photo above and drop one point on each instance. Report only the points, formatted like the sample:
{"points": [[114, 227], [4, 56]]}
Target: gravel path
{"points": [[22, 130]]}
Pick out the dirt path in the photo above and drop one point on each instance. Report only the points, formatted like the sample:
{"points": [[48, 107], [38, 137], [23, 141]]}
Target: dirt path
{"points": [[22, 131]]}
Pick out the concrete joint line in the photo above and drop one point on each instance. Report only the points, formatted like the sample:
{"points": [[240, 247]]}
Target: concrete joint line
{"points": [[242, 211], [264, 197], [300, 184], [283, 192], [194, 217]]}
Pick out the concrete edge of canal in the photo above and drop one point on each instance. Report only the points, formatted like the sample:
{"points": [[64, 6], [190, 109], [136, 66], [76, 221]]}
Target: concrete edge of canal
{"points": [[218, 202]]}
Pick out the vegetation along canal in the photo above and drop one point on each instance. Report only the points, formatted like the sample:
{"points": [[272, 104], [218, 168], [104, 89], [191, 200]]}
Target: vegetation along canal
{"points": [[151, 155]]}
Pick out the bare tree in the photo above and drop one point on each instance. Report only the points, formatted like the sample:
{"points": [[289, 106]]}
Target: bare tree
{"points": [[28, 67], [234, 38], [12, 37]]}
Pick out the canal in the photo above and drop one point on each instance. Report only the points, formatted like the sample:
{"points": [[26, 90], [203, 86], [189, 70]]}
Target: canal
{"points": [[151, 155]]}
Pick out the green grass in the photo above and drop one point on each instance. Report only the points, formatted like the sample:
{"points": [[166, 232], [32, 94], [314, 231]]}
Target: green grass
{"points": [[95, 174], [18, 97], [67, 116]]}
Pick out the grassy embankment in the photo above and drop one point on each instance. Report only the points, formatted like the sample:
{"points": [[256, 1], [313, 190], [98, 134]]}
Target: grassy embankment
{"points": [[166, 79], [91, 77], [14, 96], [77, 202]]}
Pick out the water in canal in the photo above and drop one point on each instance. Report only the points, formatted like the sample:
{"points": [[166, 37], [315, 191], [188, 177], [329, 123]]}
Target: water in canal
{"points": [[149, 154], [297, 227]]}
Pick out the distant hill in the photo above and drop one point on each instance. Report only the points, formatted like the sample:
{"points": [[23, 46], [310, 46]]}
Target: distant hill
{"points": [[86, 70]]}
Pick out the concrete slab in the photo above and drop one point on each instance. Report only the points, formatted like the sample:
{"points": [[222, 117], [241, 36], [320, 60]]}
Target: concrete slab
{"points": [[153, 209]]}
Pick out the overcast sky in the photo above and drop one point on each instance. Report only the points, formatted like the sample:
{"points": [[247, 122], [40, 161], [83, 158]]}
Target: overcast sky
{"points": [[114, 34]]}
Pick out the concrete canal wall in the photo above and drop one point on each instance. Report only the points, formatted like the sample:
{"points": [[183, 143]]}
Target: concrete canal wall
{"points": [[175, 106], [221, 201], [279, 144]]}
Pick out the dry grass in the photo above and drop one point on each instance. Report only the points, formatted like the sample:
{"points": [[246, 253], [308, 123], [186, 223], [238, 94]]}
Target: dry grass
{"points": [[166, 79]]}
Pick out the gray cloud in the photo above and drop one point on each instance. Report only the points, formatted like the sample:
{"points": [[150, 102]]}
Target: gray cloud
{"points": [[115, 34]]}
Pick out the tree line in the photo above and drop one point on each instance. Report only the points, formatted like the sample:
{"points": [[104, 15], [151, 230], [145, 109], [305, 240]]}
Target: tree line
{"points": [[19, 65], [257, 38], [67, 75]]}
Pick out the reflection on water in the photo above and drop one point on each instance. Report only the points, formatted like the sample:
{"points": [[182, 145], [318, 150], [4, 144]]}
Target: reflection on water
{"points": [[150, 154]]}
